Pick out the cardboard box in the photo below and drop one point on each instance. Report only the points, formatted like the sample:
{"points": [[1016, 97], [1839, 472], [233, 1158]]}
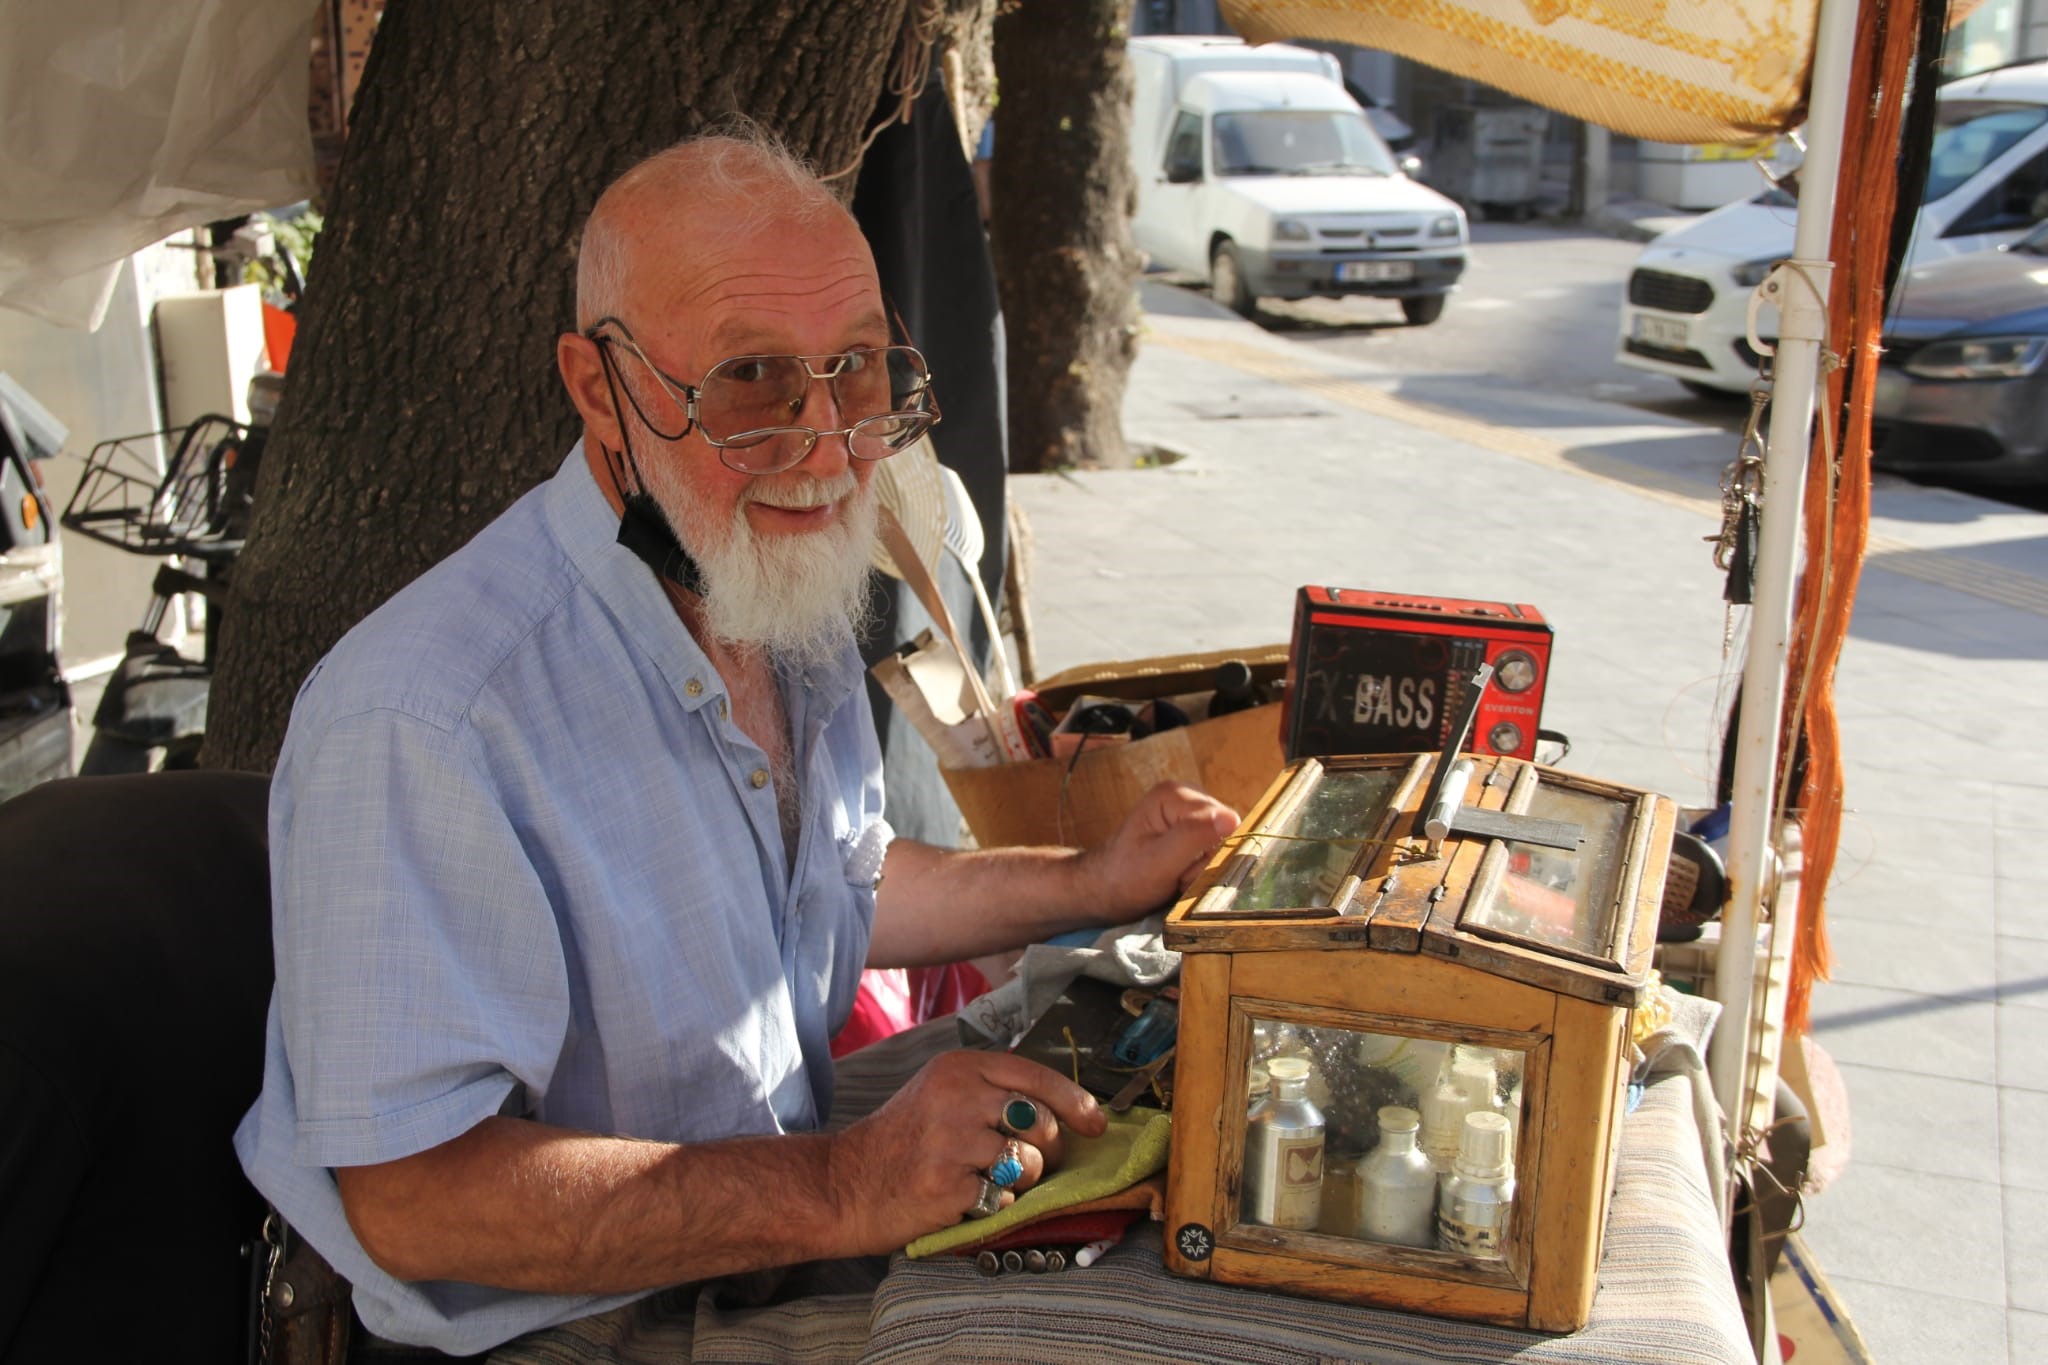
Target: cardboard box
{"points": [[1234, 758]]}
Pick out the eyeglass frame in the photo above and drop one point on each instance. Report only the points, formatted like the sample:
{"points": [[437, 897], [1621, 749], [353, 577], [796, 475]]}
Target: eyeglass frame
{"points": [[690, 392]]}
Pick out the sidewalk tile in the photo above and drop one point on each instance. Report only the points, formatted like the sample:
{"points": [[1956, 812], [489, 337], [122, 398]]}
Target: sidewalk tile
{"points": [[1875, 796], [1955, 1247], [2023, 975], [1883, 891], [1906, 1031], [2026, 1249], [1907, 1327], [2022, 905], [1937, 959], [2027, 1339], [2022, 1047], [2023, 1138], [2020, 806], [2021, 854], [1923, 1123]]}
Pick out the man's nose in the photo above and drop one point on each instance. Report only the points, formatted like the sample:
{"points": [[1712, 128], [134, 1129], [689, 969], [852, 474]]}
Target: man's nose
{"points": [[833, 450]]}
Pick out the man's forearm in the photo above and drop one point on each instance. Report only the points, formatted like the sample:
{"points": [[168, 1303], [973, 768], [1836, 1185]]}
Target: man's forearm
{"points": [[935, 905], [522, 1205]]}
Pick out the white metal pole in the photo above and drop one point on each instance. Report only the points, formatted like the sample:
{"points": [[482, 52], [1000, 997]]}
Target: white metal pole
{"points": [[1800, 289]]}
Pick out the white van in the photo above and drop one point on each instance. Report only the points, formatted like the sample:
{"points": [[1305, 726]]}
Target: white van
{"points": [[1687, 306], [1256, 169]]}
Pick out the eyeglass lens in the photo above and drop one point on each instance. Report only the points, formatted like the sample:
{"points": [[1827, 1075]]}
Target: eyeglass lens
{"points": [[751, 404], [748, 405]]}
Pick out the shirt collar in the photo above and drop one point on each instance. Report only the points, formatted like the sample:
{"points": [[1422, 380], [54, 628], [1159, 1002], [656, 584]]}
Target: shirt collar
{"points": [[588, 530]]}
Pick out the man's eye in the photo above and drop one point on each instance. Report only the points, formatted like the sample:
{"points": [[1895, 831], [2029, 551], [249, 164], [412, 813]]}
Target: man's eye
{"points": [[749, 371], [853, 362]]}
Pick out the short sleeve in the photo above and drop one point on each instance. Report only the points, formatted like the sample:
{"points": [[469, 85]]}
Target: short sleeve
{"points": [[420, 968]]}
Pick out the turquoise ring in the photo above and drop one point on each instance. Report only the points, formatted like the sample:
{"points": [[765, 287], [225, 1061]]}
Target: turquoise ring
{"points": [[1009, 1169], [1020, 1116]]}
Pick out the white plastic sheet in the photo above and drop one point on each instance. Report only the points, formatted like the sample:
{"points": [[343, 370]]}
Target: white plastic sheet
{"points": [[124, 121]]}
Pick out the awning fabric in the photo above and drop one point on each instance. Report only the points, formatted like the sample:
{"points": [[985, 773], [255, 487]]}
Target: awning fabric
{"points": [[1666, 70], [127, 121]]}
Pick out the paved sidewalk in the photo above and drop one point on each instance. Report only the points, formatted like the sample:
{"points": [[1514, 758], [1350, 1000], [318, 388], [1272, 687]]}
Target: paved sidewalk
{"points": [[1303, 468]]}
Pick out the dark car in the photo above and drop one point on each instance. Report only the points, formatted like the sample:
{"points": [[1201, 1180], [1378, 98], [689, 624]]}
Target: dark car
{"points": [[1963, 390]]}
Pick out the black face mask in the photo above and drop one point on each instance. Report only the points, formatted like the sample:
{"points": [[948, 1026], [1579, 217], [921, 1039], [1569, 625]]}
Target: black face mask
{"points": [[644, 529]]}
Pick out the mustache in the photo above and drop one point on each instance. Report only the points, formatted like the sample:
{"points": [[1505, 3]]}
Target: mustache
{"points": [[805, 491]]}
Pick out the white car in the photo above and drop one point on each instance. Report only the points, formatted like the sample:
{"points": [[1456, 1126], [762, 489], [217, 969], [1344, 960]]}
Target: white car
{"points": [[1256, 169], [1687, 306]]}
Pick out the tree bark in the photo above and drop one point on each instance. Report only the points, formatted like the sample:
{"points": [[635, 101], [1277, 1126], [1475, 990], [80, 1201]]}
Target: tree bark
{"points": [[422, 396], [1061, 229]]}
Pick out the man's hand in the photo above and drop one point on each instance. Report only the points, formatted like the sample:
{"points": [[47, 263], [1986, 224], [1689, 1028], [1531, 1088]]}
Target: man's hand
{"points": [[916, 1164], [1159, 849]]}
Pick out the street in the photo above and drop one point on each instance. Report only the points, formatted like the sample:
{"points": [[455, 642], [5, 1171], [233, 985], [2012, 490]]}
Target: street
{"points": [[1536, 311]]}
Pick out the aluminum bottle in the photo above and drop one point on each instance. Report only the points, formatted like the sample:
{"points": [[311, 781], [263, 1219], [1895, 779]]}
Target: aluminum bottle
{"points": [[1283, 1152], [1479, 1193], [1397, 1185]]}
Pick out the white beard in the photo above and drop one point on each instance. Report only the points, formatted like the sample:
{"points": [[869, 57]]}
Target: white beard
{"points": [[798, 597]]}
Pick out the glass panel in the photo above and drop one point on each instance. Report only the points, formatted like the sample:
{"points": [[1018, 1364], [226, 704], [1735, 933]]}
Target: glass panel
{"points": [[1382, 1138], [1325, 835], [1556, 897]]}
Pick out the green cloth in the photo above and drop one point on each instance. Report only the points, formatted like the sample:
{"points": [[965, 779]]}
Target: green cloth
{"points": [[1134, 1147]]}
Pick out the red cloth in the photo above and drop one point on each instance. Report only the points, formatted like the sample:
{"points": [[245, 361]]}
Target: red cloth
{"points": [[897, 998], [1062, 1229]]}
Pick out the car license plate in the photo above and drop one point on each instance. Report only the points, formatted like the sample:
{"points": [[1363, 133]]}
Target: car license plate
{"points": [[1670, 333], [1374, 272]]}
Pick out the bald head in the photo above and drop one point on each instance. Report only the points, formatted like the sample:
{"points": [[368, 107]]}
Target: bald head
{"points": [[723, 183]]}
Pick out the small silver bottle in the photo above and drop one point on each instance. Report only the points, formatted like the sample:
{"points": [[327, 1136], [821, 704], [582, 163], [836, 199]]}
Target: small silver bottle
{"points": [[1479, 1193], [1283, 1152], [1397, 1185]]}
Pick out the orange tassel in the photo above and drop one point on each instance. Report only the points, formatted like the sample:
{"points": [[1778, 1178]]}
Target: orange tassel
{"points": [[1838, 497]]}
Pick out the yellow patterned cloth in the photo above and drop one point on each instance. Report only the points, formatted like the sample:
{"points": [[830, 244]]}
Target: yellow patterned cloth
{"points": [[1666, 70], [1134, 1147]]}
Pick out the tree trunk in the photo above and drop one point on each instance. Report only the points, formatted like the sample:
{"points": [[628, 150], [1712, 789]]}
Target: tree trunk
{"points": [[423, 397], [1061, 229]]}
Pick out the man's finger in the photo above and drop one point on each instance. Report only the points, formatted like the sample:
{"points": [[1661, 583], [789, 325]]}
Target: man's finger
{"points": [[1070, 1104]]}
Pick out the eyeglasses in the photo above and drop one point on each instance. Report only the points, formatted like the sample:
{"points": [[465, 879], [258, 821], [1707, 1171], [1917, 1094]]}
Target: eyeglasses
{"points": [[745, 404]]}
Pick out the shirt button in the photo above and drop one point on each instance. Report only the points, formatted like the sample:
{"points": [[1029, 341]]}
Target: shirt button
{"points": [[721, 708], [694, 687], [759, 778]]}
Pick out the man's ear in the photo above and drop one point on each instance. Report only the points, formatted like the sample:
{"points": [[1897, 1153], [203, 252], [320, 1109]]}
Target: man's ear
{"points": [[583, 375]]}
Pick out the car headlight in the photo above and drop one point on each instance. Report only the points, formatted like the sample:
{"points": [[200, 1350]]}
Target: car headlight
{"points": [[1750, 274], [1445, 226], [1287, 230], [1980, 358]]}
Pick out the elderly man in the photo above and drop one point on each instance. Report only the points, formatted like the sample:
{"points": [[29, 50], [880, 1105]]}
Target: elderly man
{"points": [[575, 842]]}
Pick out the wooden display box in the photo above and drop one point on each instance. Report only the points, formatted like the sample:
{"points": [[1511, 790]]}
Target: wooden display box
{"points": [[1489, 973]]}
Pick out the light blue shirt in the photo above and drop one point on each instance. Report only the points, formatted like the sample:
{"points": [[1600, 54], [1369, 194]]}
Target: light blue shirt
{"points": [[524, 862]]}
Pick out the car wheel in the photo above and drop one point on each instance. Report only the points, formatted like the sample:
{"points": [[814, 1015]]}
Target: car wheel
{"points": [[1423, 310], [1709, 392], [1226, 280]]}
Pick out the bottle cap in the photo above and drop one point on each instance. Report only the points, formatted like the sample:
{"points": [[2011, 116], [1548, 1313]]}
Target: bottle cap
{"points": [[1477, 1078], [1288, 1068], [1483, 1146], [1443, 1109], [1398, 1118]]}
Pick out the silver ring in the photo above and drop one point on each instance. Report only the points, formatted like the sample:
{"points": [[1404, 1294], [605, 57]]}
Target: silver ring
{"points": [[989, 1202]]}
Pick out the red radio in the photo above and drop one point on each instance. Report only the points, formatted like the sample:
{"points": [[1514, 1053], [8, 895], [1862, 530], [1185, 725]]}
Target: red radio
{"points": [[1379, 672]]}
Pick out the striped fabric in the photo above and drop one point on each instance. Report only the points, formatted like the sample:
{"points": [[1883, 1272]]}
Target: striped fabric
{"points": [[1665, 1295]]}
